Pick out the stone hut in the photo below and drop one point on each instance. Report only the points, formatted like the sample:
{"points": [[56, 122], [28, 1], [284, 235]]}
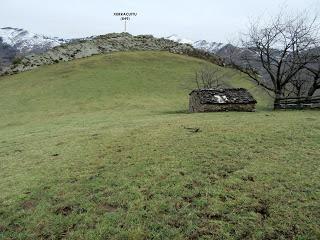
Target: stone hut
{"points": [[217, 100]]}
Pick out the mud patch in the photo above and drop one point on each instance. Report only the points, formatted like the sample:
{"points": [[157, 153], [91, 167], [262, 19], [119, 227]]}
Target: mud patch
{"points": [[211, 216], [2, 229], [193, 185], [248, 178], [190, 199], [176, 223], [29, 205], [94, 177], [66, 231], [263, 209], [69, 209], [201, 233], [225, 171], [106, 207], [192, 130], [148, 195]]}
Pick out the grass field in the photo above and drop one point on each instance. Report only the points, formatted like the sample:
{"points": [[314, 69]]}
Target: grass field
{"points": [[102, 148]]}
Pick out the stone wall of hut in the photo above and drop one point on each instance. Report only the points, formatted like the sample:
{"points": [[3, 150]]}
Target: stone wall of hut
{"points": [[195, 106]]}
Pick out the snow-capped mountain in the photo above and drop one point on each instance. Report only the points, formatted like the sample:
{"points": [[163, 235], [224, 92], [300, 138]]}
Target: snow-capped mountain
{"points": [[176, 38], [24, 41], [212, 47]]}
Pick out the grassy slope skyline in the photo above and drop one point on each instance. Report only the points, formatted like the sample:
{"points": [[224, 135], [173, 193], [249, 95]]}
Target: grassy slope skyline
{"points": [[101, 148]]}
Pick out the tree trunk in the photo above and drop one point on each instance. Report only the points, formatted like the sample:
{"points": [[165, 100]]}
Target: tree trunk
{"points": [[277, 100], [312, 89]]}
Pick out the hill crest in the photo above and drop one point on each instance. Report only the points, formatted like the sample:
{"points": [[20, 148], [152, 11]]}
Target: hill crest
{"points": [[103, 44]]}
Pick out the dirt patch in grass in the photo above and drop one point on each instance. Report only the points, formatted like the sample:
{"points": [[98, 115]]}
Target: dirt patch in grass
{"points": [[194, 184], [191, 198], [29, 204], [202, 233], [94, 177], [226, 170], [176, 223], [212, 216], [2, 229], [69, 209], [64, 234], [193, 129], [248, 178], [148, 195], [178, 205], [14, 227], [291, 232], [106, 207], [65, 211], [263, 209]]}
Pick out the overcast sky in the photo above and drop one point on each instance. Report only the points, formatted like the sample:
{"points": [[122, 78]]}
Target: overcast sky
{"points": [[215, 20]]}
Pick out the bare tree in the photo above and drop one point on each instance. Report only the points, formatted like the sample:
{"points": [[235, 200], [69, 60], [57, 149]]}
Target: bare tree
{"points": [[210, 77], [277, 51]]}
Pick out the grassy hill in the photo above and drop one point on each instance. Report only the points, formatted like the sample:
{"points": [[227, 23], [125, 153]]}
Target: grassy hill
{"points": [[102, 148]]}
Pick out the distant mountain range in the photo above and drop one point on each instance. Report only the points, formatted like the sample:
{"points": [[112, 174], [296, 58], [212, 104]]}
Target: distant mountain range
{"points": [[15, 42], [25, 42], [222, 50]]}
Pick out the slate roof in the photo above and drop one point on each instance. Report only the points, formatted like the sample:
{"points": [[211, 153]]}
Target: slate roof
{"points": [[224, 96]]}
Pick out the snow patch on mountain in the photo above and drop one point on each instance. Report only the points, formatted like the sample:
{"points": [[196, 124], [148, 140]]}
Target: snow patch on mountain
{"points": [[208, 46], [212, 47], [176, 38], [26, 42]]}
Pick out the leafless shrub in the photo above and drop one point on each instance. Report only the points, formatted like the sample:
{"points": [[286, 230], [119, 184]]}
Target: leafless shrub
{"points": [[209, 77]]}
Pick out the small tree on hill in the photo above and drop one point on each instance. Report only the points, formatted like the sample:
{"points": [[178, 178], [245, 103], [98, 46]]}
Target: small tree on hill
{"points": [[210, 77]]}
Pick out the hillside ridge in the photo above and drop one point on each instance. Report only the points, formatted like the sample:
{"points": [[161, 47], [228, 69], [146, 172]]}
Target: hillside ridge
{"points": [[113, 42]]}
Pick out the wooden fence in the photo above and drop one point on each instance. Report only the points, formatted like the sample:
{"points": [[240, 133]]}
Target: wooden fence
{"points": [[298, 103]]}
